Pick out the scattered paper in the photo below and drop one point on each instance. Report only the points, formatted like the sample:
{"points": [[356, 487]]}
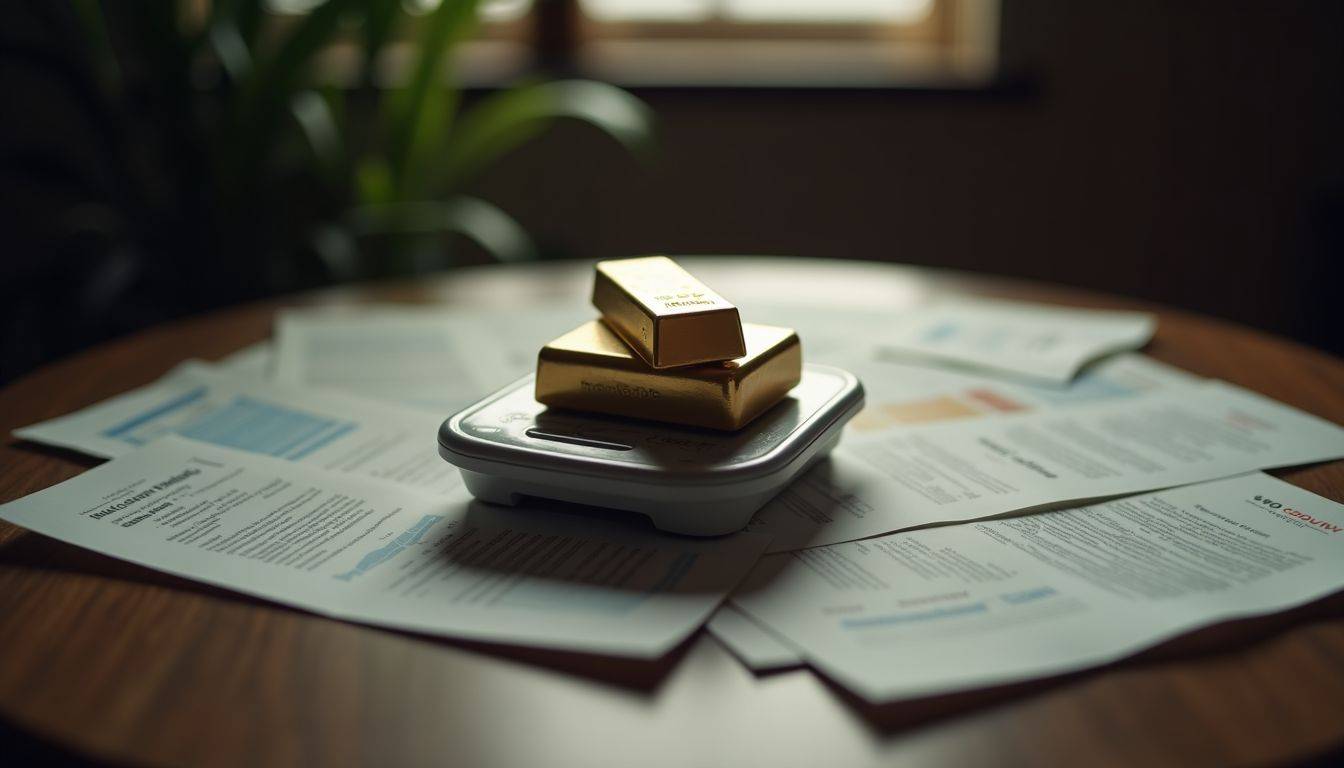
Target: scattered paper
{"points": [[942, 610], [431, 359], [754, 645], [440, 359], [827, 336], [900, 393], [963, 470], [356, 549], [1029, 341], [324, 429], [252, 362]]}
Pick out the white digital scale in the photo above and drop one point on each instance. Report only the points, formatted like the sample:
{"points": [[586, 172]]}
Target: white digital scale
{"points": [[686, 480]]}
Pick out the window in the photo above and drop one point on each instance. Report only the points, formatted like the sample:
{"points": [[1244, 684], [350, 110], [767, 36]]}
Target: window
{"points": [[834, 11], [787, 42], [728, 42]]}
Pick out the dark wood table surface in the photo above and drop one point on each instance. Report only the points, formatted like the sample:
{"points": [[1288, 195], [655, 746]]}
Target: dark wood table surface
{"points": [[105, 659]]}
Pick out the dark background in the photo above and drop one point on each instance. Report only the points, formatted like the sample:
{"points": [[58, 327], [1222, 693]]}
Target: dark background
{"points": [[1187, 153]]}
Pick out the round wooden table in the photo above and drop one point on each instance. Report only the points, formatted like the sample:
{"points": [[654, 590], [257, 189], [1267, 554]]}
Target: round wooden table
{"points": [[105, 659]]}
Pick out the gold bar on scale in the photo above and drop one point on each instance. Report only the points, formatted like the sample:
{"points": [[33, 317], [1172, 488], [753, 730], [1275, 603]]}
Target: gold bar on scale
{"points": [[591, 369], [668, 317]]}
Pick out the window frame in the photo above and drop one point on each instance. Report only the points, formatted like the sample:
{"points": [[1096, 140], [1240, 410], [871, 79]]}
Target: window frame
{"points": [[954, 46]]}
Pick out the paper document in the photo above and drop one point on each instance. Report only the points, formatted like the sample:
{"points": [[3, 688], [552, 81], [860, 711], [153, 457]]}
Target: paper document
{"points": [[827, 335], [1027, 341], [941, 610], [432, 359], [899, 393], [325, 429], [356, 549], [754, 645], [253, 362], [926, 474]]}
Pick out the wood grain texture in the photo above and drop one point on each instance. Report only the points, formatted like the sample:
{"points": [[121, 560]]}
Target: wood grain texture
{"points": [[108, 659]]}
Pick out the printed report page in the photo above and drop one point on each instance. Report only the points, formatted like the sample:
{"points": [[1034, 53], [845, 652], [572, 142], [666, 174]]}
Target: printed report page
{"points": [[434, 360], [970, 469], [900, 393], [945, 609], [199, 401], [358, 549], [1023, 341]]}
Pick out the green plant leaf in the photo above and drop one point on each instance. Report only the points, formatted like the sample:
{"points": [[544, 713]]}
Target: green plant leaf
{"points": [[245, 16], [231, 49], [373, 182], [276, 76], [279, 73], [483, 222], [379, 20], [506, 120], [416, 117], [321, 130], [337, 251]]}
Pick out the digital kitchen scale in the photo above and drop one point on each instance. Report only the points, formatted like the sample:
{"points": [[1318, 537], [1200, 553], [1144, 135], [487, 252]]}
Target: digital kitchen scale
{"points": [[686, 480]]}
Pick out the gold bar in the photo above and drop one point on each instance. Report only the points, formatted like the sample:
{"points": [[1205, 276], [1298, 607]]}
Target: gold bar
{"points": [[668, 316], [591, 369]]}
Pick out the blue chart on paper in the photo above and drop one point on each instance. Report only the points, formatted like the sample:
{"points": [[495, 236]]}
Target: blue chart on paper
{"points": [[1028, 595], [913, 617], [143, 427], [1012, 600], [1089, 387], [413, 535], [941, 332], [260, 427], [245, 423]]}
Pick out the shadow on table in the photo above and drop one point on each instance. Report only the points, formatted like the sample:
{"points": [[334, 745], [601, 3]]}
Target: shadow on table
{"points": [[32, 472]]}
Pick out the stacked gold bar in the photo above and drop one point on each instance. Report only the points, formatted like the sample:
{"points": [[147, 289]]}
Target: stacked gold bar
{"points": [[667, 315], [667, 348]]}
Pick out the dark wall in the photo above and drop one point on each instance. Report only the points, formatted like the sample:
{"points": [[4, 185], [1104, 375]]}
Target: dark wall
{"points": [[1184, 152]]}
